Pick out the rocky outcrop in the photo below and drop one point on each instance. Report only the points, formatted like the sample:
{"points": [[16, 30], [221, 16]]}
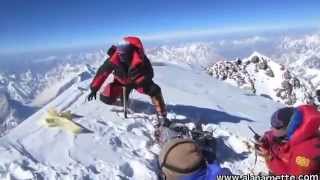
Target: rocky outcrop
{"points": [[258, 72], [233, 70], [255, 59]]}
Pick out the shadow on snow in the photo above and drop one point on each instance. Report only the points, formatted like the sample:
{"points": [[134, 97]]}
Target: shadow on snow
{"points": [[191, 113], [224, 153]]}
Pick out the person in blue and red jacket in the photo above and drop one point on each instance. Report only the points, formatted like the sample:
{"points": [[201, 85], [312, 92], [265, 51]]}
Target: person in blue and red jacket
{"points": [[292, 146], [131, 68]]}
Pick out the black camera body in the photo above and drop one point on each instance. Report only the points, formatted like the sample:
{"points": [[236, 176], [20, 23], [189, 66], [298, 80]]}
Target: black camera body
{"points": [[206, 142]]}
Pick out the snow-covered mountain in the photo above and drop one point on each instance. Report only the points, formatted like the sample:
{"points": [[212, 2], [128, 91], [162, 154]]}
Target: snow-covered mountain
{"points": [[32, 90], [298, 51], [263, 76], [195, 55], [118, 148], [22, 94], [22, 98], [302, 56]]}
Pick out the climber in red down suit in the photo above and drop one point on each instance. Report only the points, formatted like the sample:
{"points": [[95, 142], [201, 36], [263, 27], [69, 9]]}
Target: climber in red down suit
{"points": [[131, 68]]}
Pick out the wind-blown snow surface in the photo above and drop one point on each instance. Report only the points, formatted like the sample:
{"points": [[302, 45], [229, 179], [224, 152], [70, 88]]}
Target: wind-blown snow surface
{"points": [[117, 148]]}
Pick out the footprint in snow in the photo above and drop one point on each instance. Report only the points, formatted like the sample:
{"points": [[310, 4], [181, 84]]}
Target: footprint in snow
{"points": [[132, 126], [115, 142], [127, 170]]}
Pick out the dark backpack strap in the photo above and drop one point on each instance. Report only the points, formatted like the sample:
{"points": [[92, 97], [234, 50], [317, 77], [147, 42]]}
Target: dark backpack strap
{"points": [[201, 164]]}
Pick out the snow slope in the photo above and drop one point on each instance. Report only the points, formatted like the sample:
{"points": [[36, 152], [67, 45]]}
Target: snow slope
{"points": [[117, 148]]}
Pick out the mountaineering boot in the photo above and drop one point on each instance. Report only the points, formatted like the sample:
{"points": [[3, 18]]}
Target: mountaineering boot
{"points": [[159, 125], [161, 119], [159, 105]]}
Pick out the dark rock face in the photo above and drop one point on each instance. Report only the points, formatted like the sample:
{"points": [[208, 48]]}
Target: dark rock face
{"points": [[287, 75], [269, 72], [263, 65], [255, 59]]}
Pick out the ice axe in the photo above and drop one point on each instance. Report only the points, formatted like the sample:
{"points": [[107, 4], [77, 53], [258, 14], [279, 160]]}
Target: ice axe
{"points": [[125, 101]]}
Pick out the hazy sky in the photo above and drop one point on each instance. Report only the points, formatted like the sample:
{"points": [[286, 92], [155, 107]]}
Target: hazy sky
{"points": [[30, 25]]}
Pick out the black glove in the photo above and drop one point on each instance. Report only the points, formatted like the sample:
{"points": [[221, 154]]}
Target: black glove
{"points": [[92, 95]]}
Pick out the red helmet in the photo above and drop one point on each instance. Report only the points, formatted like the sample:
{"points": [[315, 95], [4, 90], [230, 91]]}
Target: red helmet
{"points": [[127, 47]]}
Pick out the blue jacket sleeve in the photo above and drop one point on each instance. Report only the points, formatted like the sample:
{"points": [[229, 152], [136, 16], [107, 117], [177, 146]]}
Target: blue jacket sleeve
{"points": [[210, 173], [215, 170]]}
